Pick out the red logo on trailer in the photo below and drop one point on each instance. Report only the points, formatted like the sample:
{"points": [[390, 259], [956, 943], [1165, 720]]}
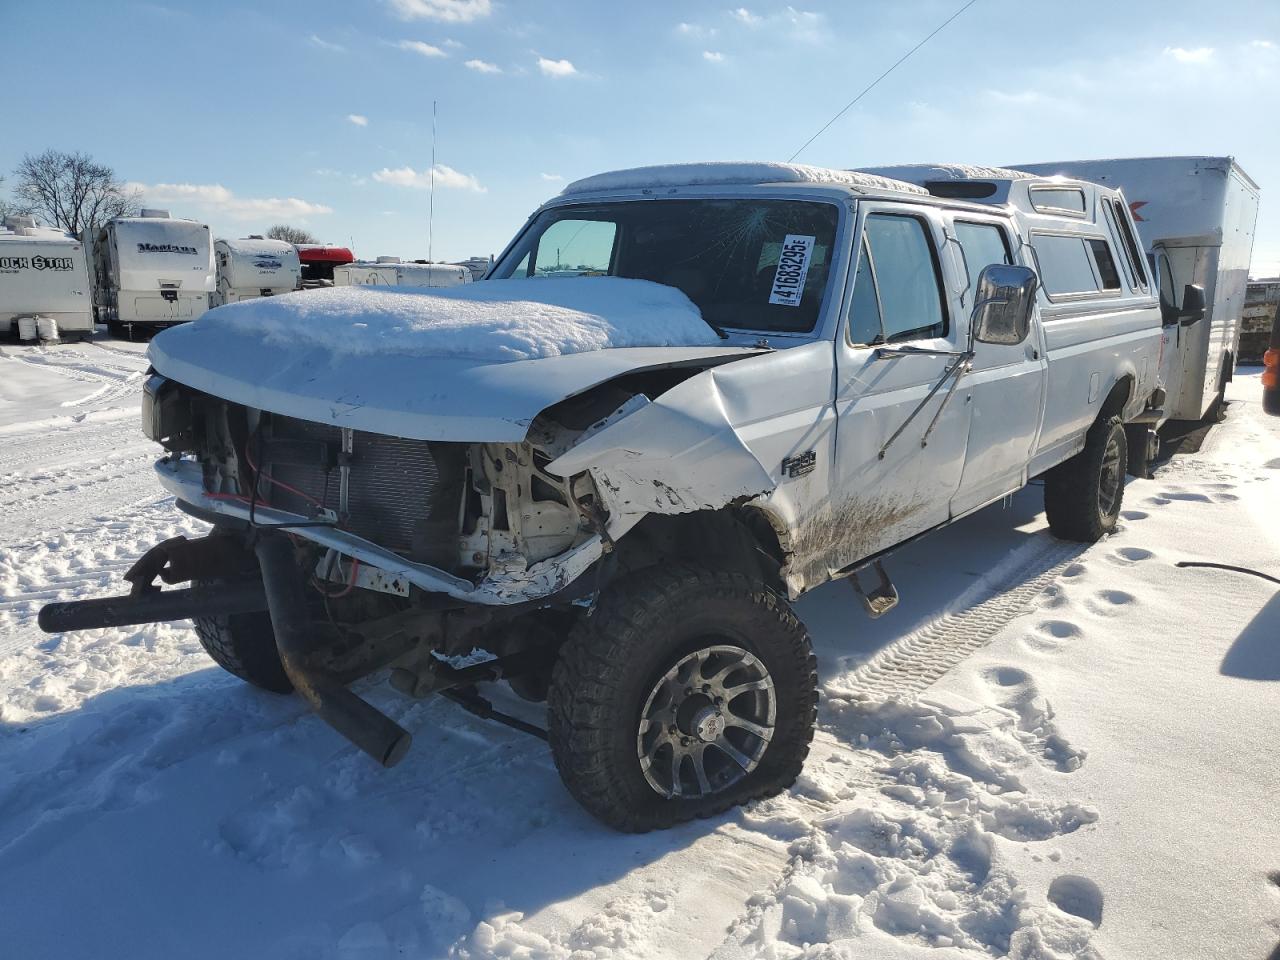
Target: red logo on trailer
{"points": [[1133, 209]]}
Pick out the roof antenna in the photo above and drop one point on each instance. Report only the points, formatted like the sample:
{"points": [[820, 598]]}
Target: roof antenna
{"points": [[867, 89], [431, 195]]}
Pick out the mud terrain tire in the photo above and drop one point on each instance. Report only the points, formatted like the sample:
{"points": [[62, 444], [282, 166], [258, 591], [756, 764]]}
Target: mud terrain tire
{"points": [[243, 644], [1079, 497], [642, 629]]}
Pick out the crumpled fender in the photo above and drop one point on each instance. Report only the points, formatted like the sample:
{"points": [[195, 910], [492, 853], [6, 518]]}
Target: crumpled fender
{"points": [[677, 454]]}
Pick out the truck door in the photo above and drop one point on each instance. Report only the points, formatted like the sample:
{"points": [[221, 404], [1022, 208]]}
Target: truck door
{"points": [[1005, 389], [886, 488]]}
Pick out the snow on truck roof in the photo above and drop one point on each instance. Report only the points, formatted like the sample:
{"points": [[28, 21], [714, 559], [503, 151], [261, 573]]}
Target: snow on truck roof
{"points": [[919, 173], [501, 320], [727, 173]]}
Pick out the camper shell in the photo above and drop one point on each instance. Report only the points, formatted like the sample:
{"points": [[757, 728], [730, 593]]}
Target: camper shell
{"points": [[1196, 218], [391, 272], [255, 267], [614, 484], [44, 273], [152, 271]]}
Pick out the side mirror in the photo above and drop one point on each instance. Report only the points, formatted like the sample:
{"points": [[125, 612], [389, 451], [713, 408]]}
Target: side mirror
{"points": [[1006, 296], [1192, 305]]}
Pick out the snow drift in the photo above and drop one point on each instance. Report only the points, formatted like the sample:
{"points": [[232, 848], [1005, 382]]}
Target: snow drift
{"points": [[521, 319]]}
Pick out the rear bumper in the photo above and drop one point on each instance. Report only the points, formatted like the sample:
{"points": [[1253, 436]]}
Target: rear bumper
{"points": [[514, 583]]}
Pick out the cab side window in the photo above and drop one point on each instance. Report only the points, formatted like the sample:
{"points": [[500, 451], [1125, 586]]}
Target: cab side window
{"points": [[897, 292], [983, 245]]}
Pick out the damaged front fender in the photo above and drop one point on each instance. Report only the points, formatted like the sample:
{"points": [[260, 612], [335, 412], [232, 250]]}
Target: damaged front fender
{"points": [[678, 454]]}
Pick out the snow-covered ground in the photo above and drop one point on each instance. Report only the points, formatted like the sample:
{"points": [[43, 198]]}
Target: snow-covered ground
{"points": [[1046, 751]]}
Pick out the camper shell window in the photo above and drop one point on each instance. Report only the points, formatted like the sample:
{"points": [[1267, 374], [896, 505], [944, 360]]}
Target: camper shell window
{"points": [[1130, 243], [1105, 263], [1059, 200], [1071, 268]]}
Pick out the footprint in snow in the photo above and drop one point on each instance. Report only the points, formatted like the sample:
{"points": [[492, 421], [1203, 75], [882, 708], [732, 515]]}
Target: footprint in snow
{"points": [[1016, 690], [1050, 636], [1109, 603], [1134, 514], [1078, 896], [1130, 555], [1074, 570]]}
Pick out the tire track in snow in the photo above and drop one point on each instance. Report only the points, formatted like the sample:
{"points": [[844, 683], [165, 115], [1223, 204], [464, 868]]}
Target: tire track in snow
{"points": [[912, 663]]}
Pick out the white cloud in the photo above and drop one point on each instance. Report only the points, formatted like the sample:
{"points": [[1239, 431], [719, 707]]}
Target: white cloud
{"points": [[696, 30], [1015, 96], [358, 120], [743, 15], [452, 44], [482, 66], [446, 178], [556, 68], [214, 198], [419, 47], [715, 56], [553, 177], [1262, 44], [1196, 55], [326, 45], [446, 11]]}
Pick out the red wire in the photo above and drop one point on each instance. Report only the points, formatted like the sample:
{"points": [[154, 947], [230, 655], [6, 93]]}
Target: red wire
{"points": [[351, 583], [283, 486]]}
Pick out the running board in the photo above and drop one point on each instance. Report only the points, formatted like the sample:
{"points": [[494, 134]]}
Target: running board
{"points": [[880, 600]]}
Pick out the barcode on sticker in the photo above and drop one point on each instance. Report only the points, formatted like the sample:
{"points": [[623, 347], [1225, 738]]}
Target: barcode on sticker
{"points": [[793, 267]]}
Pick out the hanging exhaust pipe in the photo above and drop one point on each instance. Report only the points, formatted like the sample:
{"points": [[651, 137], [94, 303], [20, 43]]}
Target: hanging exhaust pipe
{"points": [[363, 724]]}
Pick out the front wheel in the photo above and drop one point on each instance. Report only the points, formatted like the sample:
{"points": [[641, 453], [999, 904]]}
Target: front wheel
{"points": [[686, 692], [243, 644], [1082, 496]]}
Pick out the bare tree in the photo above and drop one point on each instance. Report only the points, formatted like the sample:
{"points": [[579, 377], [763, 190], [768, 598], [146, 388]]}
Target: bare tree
{"points": [[282, 231], [71, 191]]}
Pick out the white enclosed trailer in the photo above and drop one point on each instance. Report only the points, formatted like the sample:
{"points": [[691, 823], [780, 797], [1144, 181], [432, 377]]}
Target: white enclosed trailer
{"points": [[152, 271], [390, 272], [1196, 217], [44, 273], [255, 267]]}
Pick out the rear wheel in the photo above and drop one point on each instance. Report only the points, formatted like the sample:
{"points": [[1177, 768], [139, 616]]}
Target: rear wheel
{"points": [[1082, 496], [686, 692], [243, 644]]}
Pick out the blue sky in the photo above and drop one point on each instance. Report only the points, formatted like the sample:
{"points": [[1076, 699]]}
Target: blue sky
{"points": [[318, 113]]}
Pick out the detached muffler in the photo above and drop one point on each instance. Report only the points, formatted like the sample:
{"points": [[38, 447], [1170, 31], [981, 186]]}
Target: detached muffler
{"points": [[359, 721]]}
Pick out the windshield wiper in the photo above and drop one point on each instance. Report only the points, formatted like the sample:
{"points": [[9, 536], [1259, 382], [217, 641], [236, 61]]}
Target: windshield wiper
{"points": [[718, 329]]}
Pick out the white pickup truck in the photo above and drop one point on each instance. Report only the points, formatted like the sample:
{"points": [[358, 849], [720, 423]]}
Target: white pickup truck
{"points": [[765, 377]]}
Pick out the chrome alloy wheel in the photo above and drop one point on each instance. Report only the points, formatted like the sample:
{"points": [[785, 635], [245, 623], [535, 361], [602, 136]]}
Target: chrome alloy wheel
{"points": [[1111, 479], [706, 723]]}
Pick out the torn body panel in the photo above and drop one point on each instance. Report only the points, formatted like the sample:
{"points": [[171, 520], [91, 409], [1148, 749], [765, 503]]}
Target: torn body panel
{"points": [[758, 433]]}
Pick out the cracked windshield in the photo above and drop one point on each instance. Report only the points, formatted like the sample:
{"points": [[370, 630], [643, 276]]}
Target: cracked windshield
{"points": [[746, 264]]}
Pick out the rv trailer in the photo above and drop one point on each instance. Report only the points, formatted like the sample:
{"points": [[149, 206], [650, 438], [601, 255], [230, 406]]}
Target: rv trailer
{"points": [[152, 271], [390, 272], [1196, 217], [44, 273], [254, 267]]}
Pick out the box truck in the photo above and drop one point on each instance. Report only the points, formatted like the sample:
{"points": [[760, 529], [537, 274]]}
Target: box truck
{"points": [[254, 267], [151, 271], [319, 260], [44, 274], [390, 272], [1195, 216]]}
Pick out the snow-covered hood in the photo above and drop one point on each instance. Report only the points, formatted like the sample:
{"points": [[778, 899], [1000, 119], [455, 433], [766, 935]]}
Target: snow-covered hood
{"points": [[475, 363]]}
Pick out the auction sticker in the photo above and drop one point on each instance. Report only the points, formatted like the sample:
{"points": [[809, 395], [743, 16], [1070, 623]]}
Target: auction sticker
{"points": [[793, 267]]}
